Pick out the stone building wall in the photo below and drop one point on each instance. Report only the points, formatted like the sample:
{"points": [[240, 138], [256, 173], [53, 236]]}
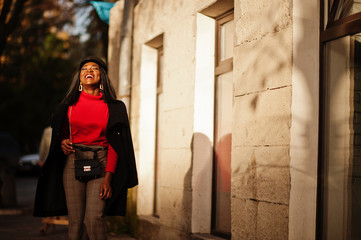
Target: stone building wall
{"points": [[174, 20], [262, 119], [268, 150]]}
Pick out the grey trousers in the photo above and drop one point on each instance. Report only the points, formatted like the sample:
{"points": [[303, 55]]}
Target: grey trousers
{"points": [[85, 208]]}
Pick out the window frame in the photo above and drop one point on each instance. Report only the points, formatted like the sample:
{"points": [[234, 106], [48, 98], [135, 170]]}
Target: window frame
{"points": [[157, 43], [330, 31], [221, 67], [348, 25], [160, 53], [227, 64], [159, 77]]}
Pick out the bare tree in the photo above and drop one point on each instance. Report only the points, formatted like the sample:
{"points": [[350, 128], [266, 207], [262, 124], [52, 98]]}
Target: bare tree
{"points": [[10, 11]]}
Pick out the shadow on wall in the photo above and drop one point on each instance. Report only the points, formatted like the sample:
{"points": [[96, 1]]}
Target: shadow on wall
{"points": [[199, 180], [207, 165], [273, 66], [279, 61]]}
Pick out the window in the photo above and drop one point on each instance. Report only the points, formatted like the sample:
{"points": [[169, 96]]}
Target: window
{"points": [[339, 9], [157, 48], [221, 222], [150, 123], [339, 192], [159, 111], [340, 18]]}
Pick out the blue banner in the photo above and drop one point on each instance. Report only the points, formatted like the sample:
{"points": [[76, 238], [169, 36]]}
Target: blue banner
{"points": [[102, 9]]}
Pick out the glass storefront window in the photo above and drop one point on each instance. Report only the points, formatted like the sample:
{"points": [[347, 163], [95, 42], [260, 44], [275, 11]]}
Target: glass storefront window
{"points": [[341, 192]]}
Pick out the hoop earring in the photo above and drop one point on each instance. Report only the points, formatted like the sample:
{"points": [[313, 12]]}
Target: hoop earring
{"points": [[80, 87], [101, 86]]}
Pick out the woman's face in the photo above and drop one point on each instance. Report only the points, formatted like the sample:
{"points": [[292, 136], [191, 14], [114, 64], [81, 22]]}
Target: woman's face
{"points": [[90, 74]]}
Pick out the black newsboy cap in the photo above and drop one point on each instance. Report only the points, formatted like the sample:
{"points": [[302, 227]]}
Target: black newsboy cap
{"points": [[97, 60]]}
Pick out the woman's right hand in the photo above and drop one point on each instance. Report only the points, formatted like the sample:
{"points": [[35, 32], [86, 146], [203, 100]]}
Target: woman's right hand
{"points": [[67, 146]]}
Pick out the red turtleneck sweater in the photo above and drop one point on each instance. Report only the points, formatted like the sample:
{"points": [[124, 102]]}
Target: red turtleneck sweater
{"points": [[88, 121]]}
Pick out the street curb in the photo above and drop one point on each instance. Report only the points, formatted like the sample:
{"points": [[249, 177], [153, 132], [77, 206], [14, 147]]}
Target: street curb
{"points": [[11, 211], [29, 210], [122, 237], [16, 211]]}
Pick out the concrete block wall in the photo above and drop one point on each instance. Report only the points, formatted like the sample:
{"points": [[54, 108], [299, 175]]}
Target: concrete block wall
{"points": [[262, 73], [176, 21], [268, 62]]}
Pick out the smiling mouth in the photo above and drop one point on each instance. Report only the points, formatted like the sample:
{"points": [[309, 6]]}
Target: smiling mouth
{"points": [[89, 76]]}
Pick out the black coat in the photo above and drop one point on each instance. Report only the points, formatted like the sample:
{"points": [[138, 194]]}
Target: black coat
{"points": [[50, 195]]}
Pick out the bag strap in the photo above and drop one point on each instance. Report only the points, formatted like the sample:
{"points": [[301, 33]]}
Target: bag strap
{"points": [[70, 124], [82, 148]]}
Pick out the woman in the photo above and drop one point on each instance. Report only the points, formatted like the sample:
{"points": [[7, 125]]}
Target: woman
{"points": [[89, 117]]}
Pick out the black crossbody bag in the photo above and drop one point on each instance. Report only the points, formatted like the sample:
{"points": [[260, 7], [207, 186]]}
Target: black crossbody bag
{"points": [[89, 168], [86, 168]]}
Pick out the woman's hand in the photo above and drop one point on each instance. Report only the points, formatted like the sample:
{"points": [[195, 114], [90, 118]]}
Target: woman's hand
{"points": [[105, 188], [67, 146]]}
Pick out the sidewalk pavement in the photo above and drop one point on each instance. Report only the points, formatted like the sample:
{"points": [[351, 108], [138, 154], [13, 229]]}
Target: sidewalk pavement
{"points": [[19, 224]]}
